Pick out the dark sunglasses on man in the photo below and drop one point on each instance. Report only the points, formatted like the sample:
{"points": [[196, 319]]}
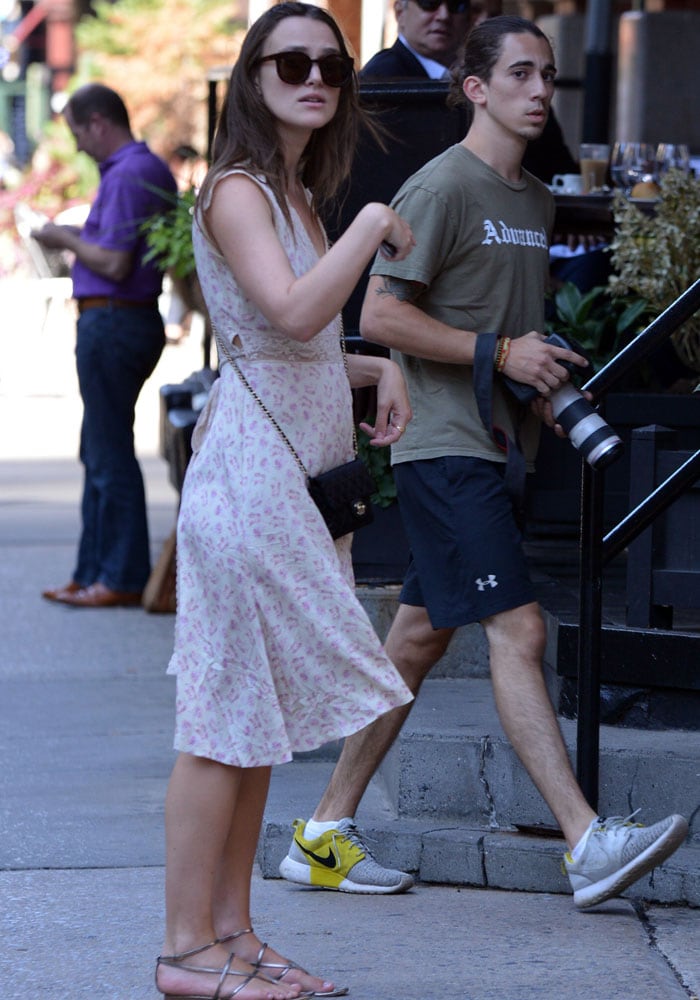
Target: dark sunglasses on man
{"points": [[294, 67], [453, 6]]}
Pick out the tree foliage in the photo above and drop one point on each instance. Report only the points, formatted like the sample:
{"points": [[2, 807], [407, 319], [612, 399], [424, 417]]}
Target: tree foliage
{"points": [[157, 54]]}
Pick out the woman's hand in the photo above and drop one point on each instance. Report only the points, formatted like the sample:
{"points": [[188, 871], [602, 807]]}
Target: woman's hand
{"points": [[393, 406], [398, 239]]}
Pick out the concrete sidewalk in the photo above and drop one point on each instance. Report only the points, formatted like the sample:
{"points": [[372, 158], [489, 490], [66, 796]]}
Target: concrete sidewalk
{"points": [[86, 717]]}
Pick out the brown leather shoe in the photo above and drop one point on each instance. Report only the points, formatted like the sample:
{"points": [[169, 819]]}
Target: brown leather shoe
{"points": [[52, 593], [97, 595]]}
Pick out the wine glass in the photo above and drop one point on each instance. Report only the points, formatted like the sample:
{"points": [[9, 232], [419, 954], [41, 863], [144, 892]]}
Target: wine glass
{"points": [[640, 163], [670, 154], [618, 168]]}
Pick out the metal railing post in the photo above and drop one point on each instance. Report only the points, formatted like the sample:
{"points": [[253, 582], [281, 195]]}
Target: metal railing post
{"points": [[589, 634]]}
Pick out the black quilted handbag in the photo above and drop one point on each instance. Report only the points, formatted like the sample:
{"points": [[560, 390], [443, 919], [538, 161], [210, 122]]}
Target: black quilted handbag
{"points": [[342, 494], [343, 497]]}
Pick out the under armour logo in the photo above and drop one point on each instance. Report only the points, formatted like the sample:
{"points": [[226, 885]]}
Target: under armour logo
{"points": [[490, 581]]}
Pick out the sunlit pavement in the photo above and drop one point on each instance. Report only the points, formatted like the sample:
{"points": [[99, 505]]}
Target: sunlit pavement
{"points": [[85, 736]]}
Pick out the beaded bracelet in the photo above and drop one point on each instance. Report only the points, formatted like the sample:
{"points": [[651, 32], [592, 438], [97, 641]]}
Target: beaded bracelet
{"points": [[502, 352]]}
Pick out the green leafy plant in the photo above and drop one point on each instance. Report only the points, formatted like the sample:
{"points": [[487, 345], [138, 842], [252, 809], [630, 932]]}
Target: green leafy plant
{"points": [[378, 462], [169, 236], [602, 323], [657, 256]]}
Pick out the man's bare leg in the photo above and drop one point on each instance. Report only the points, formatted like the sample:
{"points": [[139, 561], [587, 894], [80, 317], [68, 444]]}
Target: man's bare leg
{"points": [[516, 645], [414, 647]]}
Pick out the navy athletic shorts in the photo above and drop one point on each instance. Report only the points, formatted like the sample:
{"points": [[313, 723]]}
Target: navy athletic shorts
{"points": [[467, 562]]}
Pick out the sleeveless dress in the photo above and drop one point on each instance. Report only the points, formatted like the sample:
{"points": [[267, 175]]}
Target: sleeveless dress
{"points": [[273, 652]]}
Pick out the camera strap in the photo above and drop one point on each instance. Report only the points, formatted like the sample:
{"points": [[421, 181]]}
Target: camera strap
{"points": [[516, 468]]}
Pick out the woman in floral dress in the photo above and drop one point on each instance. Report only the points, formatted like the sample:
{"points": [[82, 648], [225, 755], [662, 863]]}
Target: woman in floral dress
{"points": [[273, 653]]}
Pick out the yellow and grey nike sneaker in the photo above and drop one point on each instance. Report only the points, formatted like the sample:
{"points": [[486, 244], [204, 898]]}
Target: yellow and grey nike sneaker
{"points": [[339, 860]]}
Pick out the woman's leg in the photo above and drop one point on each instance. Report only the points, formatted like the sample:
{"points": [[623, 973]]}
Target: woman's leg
{"points": [[202, 798], [232, 884], [199, 804], [231, 891]]}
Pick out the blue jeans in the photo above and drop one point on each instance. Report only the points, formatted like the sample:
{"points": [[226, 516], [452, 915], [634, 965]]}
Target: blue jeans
{"points": [[116, 351]]}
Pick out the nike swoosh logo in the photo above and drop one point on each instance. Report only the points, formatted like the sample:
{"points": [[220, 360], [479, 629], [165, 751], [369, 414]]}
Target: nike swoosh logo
{"points": [[328, 862]]}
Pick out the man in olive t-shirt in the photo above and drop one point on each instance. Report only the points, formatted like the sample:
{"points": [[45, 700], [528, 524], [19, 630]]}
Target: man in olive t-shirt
{"points": [[480, 263], [481, 225]]}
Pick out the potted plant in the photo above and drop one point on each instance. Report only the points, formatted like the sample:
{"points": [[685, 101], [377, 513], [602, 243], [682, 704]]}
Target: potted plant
{"points": [[169, 238], [600, 321], [380, 550], [657, 257], [378, 462]]}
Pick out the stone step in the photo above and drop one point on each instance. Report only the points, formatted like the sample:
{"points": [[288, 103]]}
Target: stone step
{"points": [[453, 804], [452, 759], [449, 852]]}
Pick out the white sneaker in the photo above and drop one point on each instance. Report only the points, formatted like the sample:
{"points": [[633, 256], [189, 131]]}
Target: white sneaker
{"points": [[618, 852]]}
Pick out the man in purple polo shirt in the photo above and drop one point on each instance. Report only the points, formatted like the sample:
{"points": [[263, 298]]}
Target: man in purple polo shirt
{"points": [[120, 338]]}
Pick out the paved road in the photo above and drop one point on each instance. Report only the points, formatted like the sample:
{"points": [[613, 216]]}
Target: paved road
{"points": [[85, 732]]}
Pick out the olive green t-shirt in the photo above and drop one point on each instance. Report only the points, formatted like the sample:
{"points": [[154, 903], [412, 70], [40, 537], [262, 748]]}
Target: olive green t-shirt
{"points": [[482, 253]]}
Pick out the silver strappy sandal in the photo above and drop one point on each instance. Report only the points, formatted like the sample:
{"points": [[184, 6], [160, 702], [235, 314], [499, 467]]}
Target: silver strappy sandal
{"points": [[176, 962], [283, 967], [289, 966]]}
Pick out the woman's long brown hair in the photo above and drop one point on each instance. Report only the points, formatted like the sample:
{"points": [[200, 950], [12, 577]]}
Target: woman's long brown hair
{"points": [[246, 133]]}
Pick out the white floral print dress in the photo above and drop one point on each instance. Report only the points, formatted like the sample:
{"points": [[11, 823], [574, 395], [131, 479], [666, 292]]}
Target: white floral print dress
{"points": [[273, 652]]}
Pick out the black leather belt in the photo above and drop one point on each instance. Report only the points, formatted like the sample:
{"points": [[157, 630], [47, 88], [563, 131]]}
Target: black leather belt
{"points": [[104, 302]]}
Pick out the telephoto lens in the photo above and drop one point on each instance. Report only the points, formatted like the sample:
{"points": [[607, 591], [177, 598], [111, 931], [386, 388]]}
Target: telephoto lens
{"points": [[586, 429]]}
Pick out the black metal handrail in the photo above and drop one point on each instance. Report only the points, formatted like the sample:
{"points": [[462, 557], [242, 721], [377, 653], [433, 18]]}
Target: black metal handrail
{"points": [[645, 343], [596, 550], [649, 509]]}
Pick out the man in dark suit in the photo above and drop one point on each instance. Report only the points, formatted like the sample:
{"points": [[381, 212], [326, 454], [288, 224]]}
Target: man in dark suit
{"points": [[430, 35]]}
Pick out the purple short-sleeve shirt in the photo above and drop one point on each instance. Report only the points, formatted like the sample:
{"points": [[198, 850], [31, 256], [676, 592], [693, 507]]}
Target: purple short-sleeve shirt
{"points": [[132, 186]]}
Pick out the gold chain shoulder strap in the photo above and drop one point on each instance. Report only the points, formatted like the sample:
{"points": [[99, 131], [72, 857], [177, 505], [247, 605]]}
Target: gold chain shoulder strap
{"points": [[225, 350]]}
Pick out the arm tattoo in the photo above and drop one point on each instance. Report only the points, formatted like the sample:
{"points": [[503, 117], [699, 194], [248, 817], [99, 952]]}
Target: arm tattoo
{"points": [[404, 291]]}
